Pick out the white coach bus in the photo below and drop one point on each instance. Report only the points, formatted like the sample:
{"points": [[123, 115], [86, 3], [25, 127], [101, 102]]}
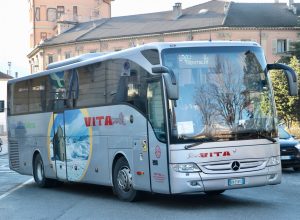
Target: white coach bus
{"points": [[168, 118]]}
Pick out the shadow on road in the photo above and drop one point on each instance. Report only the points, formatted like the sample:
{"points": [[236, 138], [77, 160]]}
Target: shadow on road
{"points": [[159, 200]]}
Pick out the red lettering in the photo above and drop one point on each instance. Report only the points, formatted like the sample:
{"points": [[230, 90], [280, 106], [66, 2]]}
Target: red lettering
{"points": [[108, 120], [218, 153], [226, 153], [203, 154], [87, 121], [211, 154], [100, 118], [104, 120]]}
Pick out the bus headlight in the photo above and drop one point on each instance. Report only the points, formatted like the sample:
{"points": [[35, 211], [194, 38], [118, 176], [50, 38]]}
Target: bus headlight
{"points": [[273, 161], [186, 167], [298, 147]]}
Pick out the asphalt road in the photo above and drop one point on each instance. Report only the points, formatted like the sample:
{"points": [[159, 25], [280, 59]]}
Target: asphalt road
{"points": [[20, 198]]}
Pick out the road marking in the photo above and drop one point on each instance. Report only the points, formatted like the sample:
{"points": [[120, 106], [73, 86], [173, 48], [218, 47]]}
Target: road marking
{"points": [[16, 188]]}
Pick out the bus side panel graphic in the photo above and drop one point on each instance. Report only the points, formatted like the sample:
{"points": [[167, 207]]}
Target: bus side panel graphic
{"points": [[74, 139]]}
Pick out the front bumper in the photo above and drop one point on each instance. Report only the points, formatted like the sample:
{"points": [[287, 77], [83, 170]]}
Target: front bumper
{"points": [[201, 182]]}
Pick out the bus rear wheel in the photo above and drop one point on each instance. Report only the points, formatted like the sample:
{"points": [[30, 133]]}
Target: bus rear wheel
{"points": [[122, 181], [39, 173]]}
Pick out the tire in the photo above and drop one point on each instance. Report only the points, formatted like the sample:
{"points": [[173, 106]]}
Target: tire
{"points": [[214, 193], [122, 181], [39, 174], [297, 169]]}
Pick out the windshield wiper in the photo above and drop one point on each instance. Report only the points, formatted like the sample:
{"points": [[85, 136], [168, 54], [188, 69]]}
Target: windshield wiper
{"points": [[199, 142], [266, 137]]}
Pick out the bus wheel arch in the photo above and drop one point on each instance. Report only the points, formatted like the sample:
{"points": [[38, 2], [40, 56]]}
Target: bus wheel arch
{"points": [[122, 179]]}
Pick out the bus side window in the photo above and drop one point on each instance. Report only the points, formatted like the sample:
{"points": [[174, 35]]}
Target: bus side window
{"points": [[20, 97], [37, 94], [57, 92], [137, 87], [116, 82], [91, 91], [72, 86]]}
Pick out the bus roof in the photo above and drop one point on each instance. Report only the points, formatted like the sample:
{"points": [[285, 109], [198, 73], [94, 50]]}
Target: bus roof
{"points": [[91, 58]]}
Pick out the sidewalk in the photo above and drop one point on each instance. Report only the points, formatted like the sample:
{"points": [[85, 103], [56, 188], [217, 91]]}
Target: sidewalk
{"points": [[4, 146]]}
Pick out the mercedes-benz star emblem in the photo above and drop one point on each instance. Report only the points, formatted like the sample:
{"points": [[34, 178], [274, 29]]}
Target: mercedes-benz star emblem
{"points": [[235, 165]]}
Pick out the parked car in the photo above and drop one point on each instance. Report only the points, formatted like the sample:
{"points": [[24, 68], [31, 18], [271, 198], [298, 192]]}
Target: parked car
{"points": [[289, 150]]}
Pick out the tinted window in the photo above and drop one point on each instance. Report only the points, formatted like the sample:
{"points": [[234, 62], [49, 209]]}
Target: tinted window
{"points": [[37, 94], [137, 87], [56, 92], [152, 56], [129, 84], [116, 84], [20, 98], [156, 110], [92, 85]]}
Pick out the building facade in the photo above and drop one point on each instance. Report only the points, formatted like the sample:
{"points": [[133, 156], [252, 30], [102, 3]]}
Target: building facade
{"points": [[273, 25], [49, 18], [3, 97]]}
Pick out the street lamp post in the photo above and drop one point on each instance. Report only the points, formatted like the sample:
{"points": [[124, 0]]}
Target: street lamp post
{"points": [[9, 68]]}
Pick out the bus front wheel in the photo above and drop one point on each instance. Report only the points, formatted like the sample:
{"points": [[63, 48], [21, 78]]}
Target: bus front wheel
{"points": [[122, 181], [38, 172]]}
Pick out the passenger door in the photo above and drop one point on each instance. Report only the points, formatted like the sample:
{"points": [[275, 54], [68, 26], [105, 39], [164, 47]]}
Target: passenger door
{"points": [[157, 135], [59, 145]]}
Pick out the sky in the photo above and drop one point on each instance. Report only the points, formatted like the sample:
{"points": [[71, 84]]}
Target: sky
{"points": [[14, 26]]}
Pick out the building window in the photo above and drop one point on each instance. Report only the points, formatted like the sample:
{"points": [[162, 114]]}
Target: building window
{"points": [[51, 14], [75, 12], [1, 105], [60, 11], [50, 59], [67, 55], [43, 35], [281, 45], [37, 14]]}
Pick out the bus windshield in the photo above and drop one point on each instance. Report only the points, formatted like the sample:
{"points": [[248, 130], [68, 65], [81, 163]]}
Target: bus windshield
{"points": [[224, 94]]}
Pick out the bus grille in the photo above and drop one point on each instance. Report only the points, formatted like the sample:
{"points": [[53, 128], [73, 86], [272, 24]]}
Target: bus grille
{"points": [[14, 155], [226, 166]]}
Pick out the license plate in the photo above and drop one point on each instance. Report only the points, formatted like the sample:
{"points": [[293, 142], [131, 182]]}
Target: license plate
{"points": [[235, 182], [286, 157]]}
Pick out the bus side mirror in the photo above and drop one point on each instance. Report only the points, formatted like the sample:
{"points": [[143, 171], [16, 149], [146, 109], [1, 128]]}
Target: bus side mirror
{"points": [[170, 81], [1, 105], [290, 75], [172, 90]]}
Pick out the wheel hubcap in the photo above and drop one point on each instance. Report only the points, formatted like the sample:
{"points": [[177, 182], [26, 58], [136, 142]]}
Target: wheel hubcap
{"points": [[124, 179]]}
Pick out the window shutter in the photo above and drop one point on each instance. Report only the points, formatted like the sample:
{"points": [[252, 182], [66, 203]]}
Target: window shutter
{"points": [[288, 45], [274, 46]]}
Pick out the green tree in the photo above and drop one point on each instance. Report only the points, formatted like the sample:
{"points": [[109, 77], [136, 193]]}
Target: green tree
{"points": [[287, 106], [295, 64]]}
